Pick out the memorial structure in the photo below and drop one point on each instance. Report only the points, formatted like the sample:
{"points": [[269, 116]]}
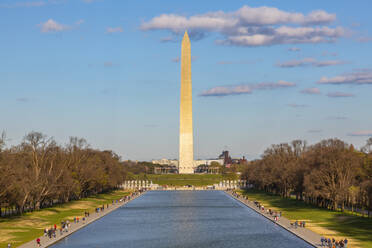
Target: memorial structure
{"points": [[186, 149]]}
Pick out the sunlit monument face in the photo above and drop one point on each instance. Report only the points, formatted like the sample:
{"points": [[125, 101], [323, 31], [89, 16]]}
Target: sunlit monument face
{"points": [[186, 153]]}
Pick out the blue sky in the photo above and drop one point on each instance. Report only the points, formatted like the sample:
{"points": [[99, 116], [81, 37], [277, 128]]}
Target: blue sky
{"points": [[264, 72]]}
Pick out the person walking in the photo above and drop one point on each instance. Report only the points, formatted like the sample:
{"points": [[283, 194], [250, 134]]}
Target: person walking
{"points": [[322, 240], [38, 242]]}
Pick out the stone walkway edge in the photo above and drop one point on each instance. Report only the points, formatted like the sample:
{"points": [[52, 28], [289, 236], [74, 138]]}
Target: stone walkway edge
{"points": [[46, 242], [303, 233]]}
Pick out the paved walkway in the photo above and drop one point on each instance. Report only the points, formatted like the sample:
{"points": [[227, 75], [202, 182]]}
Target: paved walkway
{"points": [[301, 232], [46, 241]]}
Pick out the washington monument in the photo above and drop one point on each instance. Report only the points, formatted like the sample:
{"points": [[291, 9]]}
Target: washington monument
{"points": [[186, 153]]}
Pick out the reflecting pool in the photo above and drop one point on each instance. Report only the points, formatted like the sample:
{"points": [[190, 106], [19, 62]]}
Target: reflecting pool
{"points": [[187, 219]]}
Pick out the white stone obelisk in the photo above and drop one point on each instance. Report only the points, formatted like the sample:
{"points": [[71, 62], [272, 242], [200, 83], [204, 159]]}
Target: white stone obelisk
{"points": [[186, 152]]}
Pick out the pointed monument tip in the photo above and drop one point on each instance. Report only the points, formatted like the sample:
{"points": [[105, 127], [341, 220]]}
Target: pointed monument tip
{"points": [[186, 36]]}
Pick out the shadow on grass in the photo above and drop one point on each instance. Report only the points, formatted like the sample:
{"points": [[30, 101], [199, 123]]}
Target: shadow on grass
{"points": [[346, 224]]}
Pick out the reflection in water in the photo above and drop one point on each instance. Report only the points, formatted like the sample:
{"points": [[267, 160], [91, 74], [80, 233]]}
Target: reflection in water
{"points": [[161, 219]]}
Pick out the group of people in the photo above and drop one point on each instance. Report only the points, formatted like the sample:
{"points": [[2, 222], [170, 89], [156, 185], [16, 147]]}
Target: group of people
{"points": [[65, 225], [332, 243], [298, 224], [52, 232], [326, 242]]}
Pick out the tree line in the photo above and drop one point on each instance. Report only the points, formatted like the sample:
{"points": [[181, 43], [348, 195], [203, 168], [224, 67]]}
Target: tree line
{"points": [[39, 172], [330, 174]]}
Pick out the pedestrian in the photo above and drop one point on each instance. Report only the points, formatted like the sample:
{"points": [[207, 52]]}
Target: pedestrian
{"points": [[345, 242], [45, 232], [9, 245], [322, 240], [38, 242]]}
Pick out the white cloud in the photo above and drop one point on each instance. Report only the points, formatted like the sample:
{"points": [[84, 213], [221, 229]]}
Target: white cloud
{"points": [[227, 90], [108, 64], [279, 84], [296, 63], [311, 91], [111, 30], [249, 26], [309, 62], [326, 53], [361, 133], [29, 4], [167, 39], [24, 4], [245, 88], [294, 49], [240, 62], [329, 63], [340, 94], [358, 77], [364, 39], [52, 26]]}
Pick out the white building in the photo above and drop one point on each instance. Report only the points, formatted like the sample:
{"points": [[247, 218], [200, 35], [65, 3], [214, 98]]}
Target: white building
{"points": [[165, 161], [207, 162]]}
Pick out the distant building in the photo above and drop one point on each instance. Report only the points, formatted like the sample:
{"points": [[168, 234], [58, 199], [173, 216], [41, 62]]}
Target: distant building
{"points": [[226, 158], [166, 169], [207, 162], [207, 169], [165, 161], [200, 165]]}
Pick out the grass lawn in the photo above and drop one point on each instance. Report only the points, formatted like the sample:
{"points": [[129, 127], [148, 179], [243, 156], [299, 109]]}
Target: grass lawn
{"points": [[182, 179], [21, 229], [325, 222]]}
